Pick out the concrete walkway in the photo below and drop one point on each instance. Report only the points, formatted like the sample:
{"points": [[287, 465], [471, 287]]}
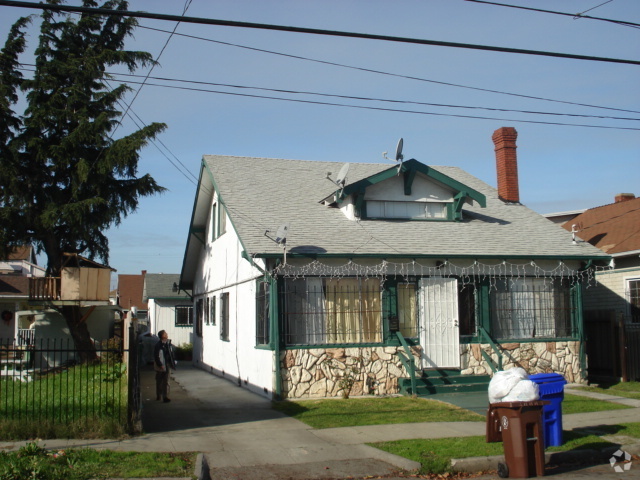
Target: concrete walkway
{"points": [[242, 437]]}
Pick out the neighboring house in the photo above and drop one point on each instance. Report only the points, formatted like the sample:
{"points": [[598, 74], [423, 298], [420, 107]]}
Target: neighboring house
{"points": [[168, 308], [614, 229], [130, 289], [21, 261], [410, 254], [15, 270]]}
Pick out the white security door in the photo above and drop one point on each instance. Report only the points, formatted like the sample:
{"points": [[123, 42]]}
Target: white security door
{"points": [[439, 337]]}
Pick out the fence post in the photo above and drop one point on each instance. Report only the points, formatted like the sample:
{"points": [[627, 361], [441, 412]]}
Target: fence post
{"points": [[133, 383], [622, 342]]}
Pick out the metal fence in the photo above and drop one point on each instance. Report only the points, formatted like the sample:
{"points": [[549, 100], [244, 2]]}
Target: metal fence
{"points": [[43, 380]]}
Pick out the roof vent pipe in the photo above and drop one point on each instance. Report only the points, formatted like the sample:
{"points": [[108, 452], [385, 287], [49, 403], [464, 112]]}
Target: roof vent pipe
{"points": [[504, 140]]}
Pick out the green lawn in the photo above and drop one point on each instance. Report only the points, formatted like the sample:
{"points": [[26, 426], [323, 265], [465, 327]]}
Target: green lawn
{"points": [[330, 413], [373, 411], [626, 389], [579, 404], [435, 455], [33, 461]]}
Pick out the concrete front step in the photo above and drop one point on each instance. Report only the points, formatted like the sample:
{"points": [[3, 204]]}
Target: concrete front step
{"points": [[441, 381]]}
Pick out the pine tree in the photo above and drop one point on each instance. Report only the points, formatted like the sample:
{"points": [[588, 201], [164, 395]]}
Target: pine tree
{"points": [[64, 179]]}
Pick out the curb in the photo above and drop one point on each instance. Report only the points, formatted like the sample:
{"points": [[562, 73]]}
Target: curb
{"points": [[390, 458], [587, 456]]}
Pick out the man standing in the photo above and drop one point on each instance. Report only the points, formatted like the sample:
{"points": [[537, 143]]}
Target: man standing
{"points": [[162, 362]]}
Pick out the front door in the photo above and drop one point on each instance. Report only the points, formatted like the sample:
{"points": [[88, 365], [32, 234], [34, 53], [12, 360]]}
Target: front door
{"points": [[440, 336]]}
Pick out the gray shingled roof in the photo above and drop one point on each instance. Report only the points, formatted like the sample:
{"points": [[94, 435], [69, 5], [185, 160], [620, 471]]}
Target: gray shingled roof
{"points": [[262, 194], [160, 285]]}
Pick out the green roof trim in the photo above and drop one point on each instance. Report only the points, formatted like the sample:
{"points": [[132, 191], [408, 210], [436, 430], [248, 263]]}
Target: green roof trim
{"points": [[410, 168]]}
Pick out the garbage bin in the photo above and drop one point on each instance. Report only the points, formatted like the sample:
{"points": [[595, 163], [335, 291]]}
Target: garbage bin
{"points": [[522, 432], [551, 386]]}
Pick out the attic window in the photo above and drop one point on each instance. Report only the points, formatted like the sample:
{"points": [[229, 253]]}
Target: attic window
{"points": [[413, 210]]}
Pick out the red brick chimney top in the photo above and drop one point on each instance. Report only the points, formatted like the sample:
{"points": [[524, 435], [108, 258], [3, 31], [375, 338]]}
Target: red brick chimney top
{"points": [[624, 197], [504, 140]]}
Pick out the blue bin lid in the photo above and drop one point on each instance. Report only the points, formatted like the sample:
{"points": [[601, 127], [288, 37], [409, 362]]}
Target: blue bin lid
{"points": [[547, 378]]}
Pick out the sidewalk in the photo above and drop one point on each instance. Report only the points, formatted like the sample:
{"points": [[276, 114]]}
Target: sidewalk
{"points": [[242, 437]]}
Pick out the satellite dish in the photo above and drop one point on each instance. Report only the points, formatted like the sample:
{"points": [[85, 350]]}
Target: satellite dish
{"points": [[399, 156], [342, 175], [281, 234]]}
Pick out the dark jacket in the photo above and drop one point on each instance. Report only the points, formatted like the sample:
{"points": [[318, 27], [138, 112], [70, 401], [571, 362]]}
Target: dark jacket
{"points": [[163, 356]]}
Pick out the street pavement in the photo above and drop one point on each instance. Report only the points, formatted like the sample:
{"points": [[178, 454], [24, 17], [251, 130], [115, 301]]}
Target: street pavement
{"points": [[242, 437]]}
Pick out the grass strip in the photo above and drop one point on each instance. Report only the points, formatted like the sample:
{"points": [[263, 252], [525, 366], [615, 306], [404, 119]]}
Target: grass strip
{"points": [[622, 389], [580, 404], [353, 412], [34, 461], [435, 454]]}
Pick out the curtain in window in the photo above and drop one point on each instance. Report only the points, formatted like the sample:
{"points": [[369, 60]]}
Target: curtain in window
{"points": [[342, 309], [407, 313], [371, 310]]}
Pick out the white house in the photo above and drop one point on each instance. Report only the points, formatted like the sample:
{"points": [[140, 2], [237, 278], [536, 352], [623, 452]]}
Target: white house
{"points": [[398, 263], [168, 308]]}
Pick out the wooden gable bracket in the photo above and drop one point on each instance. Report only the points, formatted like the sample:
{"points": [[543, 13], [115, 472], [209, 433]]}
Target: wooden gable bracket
{"points": [[198, 232], [409, 177], [458, 201]]}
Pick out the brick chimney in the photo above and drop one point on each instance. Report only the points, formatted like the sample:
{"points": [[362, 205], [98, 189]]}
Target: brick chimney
{"points": [[507, 164], [624, 197]]}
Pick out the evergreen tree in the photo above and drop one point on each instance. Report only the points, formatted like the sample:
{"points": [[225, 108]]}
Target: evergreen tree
{"points": [[64, 179]]}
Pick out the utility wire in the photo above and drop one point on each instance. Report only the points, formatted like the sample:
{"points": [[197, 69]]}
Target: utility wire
{"points": [[153, 65], [374, 99], [314, 31], [578, 15], [391, 74], [313, 102], [573, 15], [349, 97]]}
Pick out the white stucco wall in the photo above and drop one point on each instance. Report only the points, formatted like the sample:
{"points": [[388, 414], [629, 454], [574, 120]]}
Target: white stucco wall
{"points": [[162, 316], [223, 270]]}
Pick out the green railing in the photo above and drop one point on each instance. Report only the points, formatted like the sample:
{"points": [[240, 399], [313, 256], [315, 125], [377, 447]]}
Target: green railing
{"points": [[408, 362], [484, 337]]}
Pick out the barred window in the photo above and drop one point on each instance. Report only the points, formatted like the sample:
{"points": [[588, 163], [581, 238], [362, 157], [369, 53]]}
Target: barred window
{"points": [[330, 311], [184, 315], [530, 308], [407, 310], [467, 309], [262, 313], [224, 316]]}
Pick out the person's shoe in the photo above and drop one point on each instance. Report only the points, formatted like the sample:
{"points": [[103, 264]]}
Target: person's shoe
{"points": [[166, 400]]}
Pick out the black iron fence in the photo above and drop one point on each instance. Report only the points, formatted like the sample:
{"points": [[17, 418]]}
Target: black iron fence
{"points": [[44, 381]]}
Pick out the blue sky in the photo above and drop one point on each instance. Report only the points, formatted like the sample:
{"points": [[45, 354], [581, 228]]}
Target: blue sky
{"points": [[561, 167]]}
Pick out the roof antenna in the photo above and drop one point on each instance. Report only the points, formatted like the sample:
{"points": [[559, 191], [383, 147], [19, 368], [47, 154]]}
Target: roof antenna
{"points": [[574, 229], [341, 179], [399, 156], [280, 238]]}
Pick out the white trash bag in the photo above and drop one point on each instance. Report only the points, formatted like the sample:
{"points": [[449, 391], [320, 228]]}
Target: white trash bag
{"points": [[524, 391], [505, 381]]}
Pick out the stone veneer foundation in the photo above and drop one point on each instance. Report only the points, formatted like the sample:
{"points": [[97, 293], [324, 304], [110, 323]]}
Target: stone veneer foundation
{"points": [[539, 357], [316, 372]]}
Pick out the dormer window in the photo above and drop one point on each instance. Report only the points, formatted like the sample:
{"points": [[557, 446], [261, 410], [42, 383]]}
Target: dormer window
{"points": [[412, 210]]}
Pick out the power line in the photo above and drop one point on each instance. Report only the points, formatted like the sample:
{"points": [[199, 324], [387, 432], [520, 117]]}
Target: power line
{"points": [[313, 31], [391, 74], [349, 97], [364, 107], [374, 99], [573, 15]]}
